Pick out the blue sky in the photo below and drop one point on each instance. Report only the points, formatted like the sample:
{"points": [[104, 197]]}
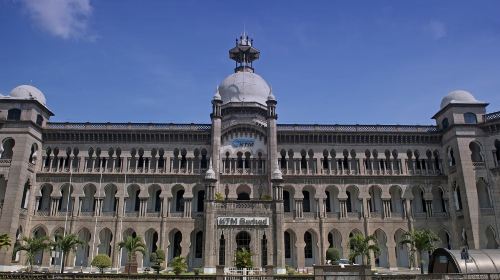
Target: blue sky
{"points": [[348, 62]]}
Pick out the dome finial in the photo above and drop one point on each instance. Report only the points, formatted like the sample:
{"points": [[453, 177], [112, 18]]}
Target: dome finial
{"points": [[244, 53], [271, 96], [217, 94]]}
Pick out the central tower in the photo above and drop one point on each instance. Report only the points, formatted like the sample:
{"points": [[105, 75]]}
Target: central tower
{"points": [[244, 149]]}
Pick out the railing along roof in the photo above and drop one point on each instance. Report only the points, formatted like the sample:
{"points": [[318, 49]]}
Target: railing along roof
{"points": [[492, 116], [122, 126], [357, 128]]}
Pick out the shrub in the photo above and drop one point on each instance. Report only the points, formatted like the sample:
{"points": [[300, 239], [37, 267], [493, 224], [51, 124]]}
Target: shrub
{"points": [[179, 265], [267, 197], [290, 270], [243, 259], [157, 258], [332, 254], [101, 261], [219, 196]]}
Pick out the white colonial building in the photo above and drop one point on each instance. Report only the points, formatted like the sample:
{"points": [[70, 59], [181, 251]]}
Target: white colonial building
{"points": [[286, 192]]}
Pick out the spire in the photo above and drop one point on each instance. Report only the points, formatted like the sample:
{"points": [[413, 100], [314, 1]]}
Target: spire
{"points": [[217, 94], [271, 97], [244, 53]]}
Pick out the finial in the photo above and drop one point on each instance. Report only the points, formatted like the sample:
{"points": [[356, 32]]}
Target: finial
{"points": [[217, 94], [271, 97], [277, 175], [210, 174]]}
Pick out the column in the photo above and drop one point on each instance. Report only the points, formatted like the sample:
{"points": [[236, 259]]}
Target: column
{"points": [[300, 251], [298, 208], [187, 207], [343, 208]]}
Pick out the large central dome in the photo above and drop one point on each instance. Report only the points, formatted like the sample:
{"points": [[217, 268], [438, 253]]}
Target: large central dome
{"points": [[244, 87]]}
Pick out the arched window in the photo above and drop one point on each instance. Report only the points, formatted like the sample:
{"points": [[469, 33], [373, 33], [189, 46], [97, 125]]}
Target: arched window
{"points": [[239, 160], [470, 118], [201, 200], [222, 250], [451, 157], [328, 203], [179, 201], [424, 207], [497, 151], [325, 160], [177, 244], [283, 161], [443, 203], [204, 160], [183, 158], [303, 162], [445, 123], [6, 150], [308, 249], [243, 196], [243, 241], [26, 196], [286, 201], [306, 203], [263, 250], [198, 252], [157, 201], [39, 120], [137, 203], [288, 245], [14, 114], [475, 150], [458, 198], [348, 202]]}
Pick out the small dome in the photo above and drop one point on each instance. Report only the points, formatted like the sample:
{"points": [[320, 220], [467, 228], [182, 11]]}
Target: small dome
{"points": [[277, 175], [217, 95], [28, 92], [271, 97], [460, 97], [210, 174], [244, 87]]}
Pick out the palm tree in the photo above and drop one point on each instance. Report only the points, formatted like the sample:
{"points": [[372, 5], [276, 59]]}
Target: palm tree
{"points": [[132, 245], [362, 246], [420, 241], [4, 240], [66, 244], [32, 246]]}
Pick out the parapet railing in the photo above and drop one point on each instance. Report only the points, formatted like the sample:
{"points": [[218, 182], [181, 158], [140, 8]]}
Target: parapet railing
{"points": [[492, 116], [140, 126], [357, 128]]}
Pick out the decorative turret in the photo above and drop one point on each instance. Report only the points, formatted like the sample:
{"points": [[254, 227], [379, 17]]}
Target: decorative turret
{"points": [[216, 104], [271, 105], [244, 54]]}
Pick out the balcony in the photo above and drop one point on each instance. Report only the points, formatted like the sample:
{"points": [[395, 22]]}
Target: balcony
{"points": [[353, 215], [244, 206]]}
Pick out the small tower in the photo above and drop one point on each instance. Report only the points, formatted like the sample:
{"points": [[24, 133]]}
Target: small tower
{"points": [[244, 54]]}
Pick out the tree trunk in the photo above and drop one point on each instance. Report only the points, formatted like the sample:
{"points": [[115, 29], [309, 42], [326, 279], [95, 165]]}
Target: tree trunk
{"points": [[63, 262], [421, 259]]}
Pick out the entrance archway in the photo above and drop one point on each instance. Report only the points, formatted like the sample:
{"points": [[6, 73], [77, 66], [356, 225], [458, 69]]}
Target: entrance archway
{"points": [[243, 241]]}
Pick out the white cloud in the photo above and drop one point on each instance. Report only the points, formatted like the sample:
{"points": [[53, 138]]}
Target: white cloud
{"points": [[437, 29], [61, 18]]}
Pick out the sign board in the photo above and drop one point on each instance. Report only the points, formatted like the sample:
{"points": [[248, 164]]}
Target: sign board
{"points": [[242, 221], [242, 142]]}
